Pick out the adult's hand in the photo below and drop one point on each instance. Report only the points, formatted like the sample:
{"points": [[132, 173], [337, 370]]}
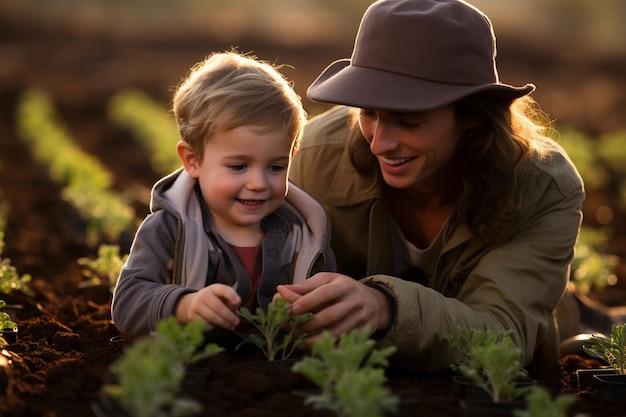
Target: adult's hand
{"points": [[339, 304]]}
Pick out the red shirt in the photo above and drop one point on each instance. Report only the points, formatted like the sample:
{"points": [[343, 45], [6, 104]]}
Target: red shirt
{"points": [[252, 260]]}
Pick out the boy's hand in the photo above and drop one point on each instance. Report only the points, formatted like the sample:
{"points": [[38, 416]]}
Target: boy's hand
{"points": [[215, 304]]}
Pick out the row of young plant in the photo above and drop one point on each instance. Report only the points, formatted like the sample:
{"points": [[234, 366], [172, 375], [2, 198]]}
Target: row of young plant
{"points": [[156, 132], [153, 374], [86, 185], [86, 182], [348, 371]]}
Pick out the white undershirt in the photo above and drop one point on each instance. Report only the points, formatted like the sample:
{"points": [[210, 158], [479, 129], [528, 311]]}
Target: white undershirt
{"points": [[408, 256]]}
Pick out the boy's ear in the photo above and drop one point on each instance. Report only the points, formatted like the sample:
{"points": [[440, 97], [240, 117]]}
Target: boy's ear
{"points": [[188, 158]]}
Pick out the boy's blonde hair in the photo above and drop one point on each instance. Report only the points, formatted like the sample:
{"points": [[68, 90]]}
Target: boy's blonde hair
{"points": [[230, 89]]}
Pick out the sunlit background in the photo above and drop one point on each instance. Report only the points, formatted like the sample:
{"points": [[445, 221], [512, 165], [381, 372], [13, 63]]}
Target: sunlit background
{"points": [[564, 46], [96, 62]]}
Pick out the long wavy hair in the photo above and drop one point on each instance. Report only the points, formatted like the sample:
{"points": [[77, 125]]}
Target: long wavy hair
{"points": [[506, 138]]}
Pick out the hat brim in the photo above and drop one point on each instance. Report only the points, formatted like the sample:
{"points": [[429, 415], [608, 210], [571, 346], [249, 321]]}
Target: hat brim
{"points": [[343, 83]]}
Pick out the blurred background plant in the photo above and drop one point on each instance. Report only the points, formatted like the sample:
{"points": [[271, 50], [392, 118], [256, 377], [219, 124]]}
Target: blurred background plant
{"points": [[10, 279], [151, 123], [85, 180], [105, 269], [601, 163]]}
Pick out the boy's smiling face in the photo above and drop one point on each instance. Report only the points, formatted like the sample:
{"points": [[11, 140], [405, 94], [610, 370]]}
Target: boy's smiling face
{"points": [[243, 178]]}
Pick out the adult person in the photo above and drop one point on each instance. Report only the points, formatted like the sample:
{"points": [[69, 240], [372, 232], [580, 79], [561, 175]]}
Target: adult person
{"points": [[448, 202]]}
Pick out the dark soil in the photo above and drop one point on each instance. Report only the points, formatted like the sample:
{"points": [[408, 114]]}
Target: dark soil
{"points": [[64, 345]]}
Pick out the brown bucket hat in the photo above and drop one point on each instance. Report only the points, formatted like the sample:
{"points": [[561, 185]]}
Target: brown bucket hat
{"points": [[414, 55]]}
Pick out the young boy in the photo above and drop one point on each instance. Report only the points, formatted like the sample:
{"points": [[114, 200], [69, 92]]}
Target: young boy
{"points": [[226, 228]]}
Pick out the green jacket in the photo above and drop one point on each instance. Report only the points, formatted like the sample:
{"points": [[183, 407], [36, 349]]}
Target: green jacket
{"points": [[516, 285]]}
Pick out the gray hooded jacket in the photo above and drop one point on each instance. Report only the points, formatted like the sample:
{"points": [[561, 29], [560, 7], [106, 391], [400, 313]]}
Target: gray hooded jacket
{"points": [[177, 251]]}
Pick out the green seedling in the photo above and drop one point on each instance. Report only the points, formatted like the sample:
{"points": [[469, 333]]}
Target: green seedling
{"points": [[274, 339], [105, 269], [541, 404], [610, 349], [490, 360], [5, 322], [10, 280], [188, 340], [151, 370], [149, 381], [469, 338], [350, 374]]}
